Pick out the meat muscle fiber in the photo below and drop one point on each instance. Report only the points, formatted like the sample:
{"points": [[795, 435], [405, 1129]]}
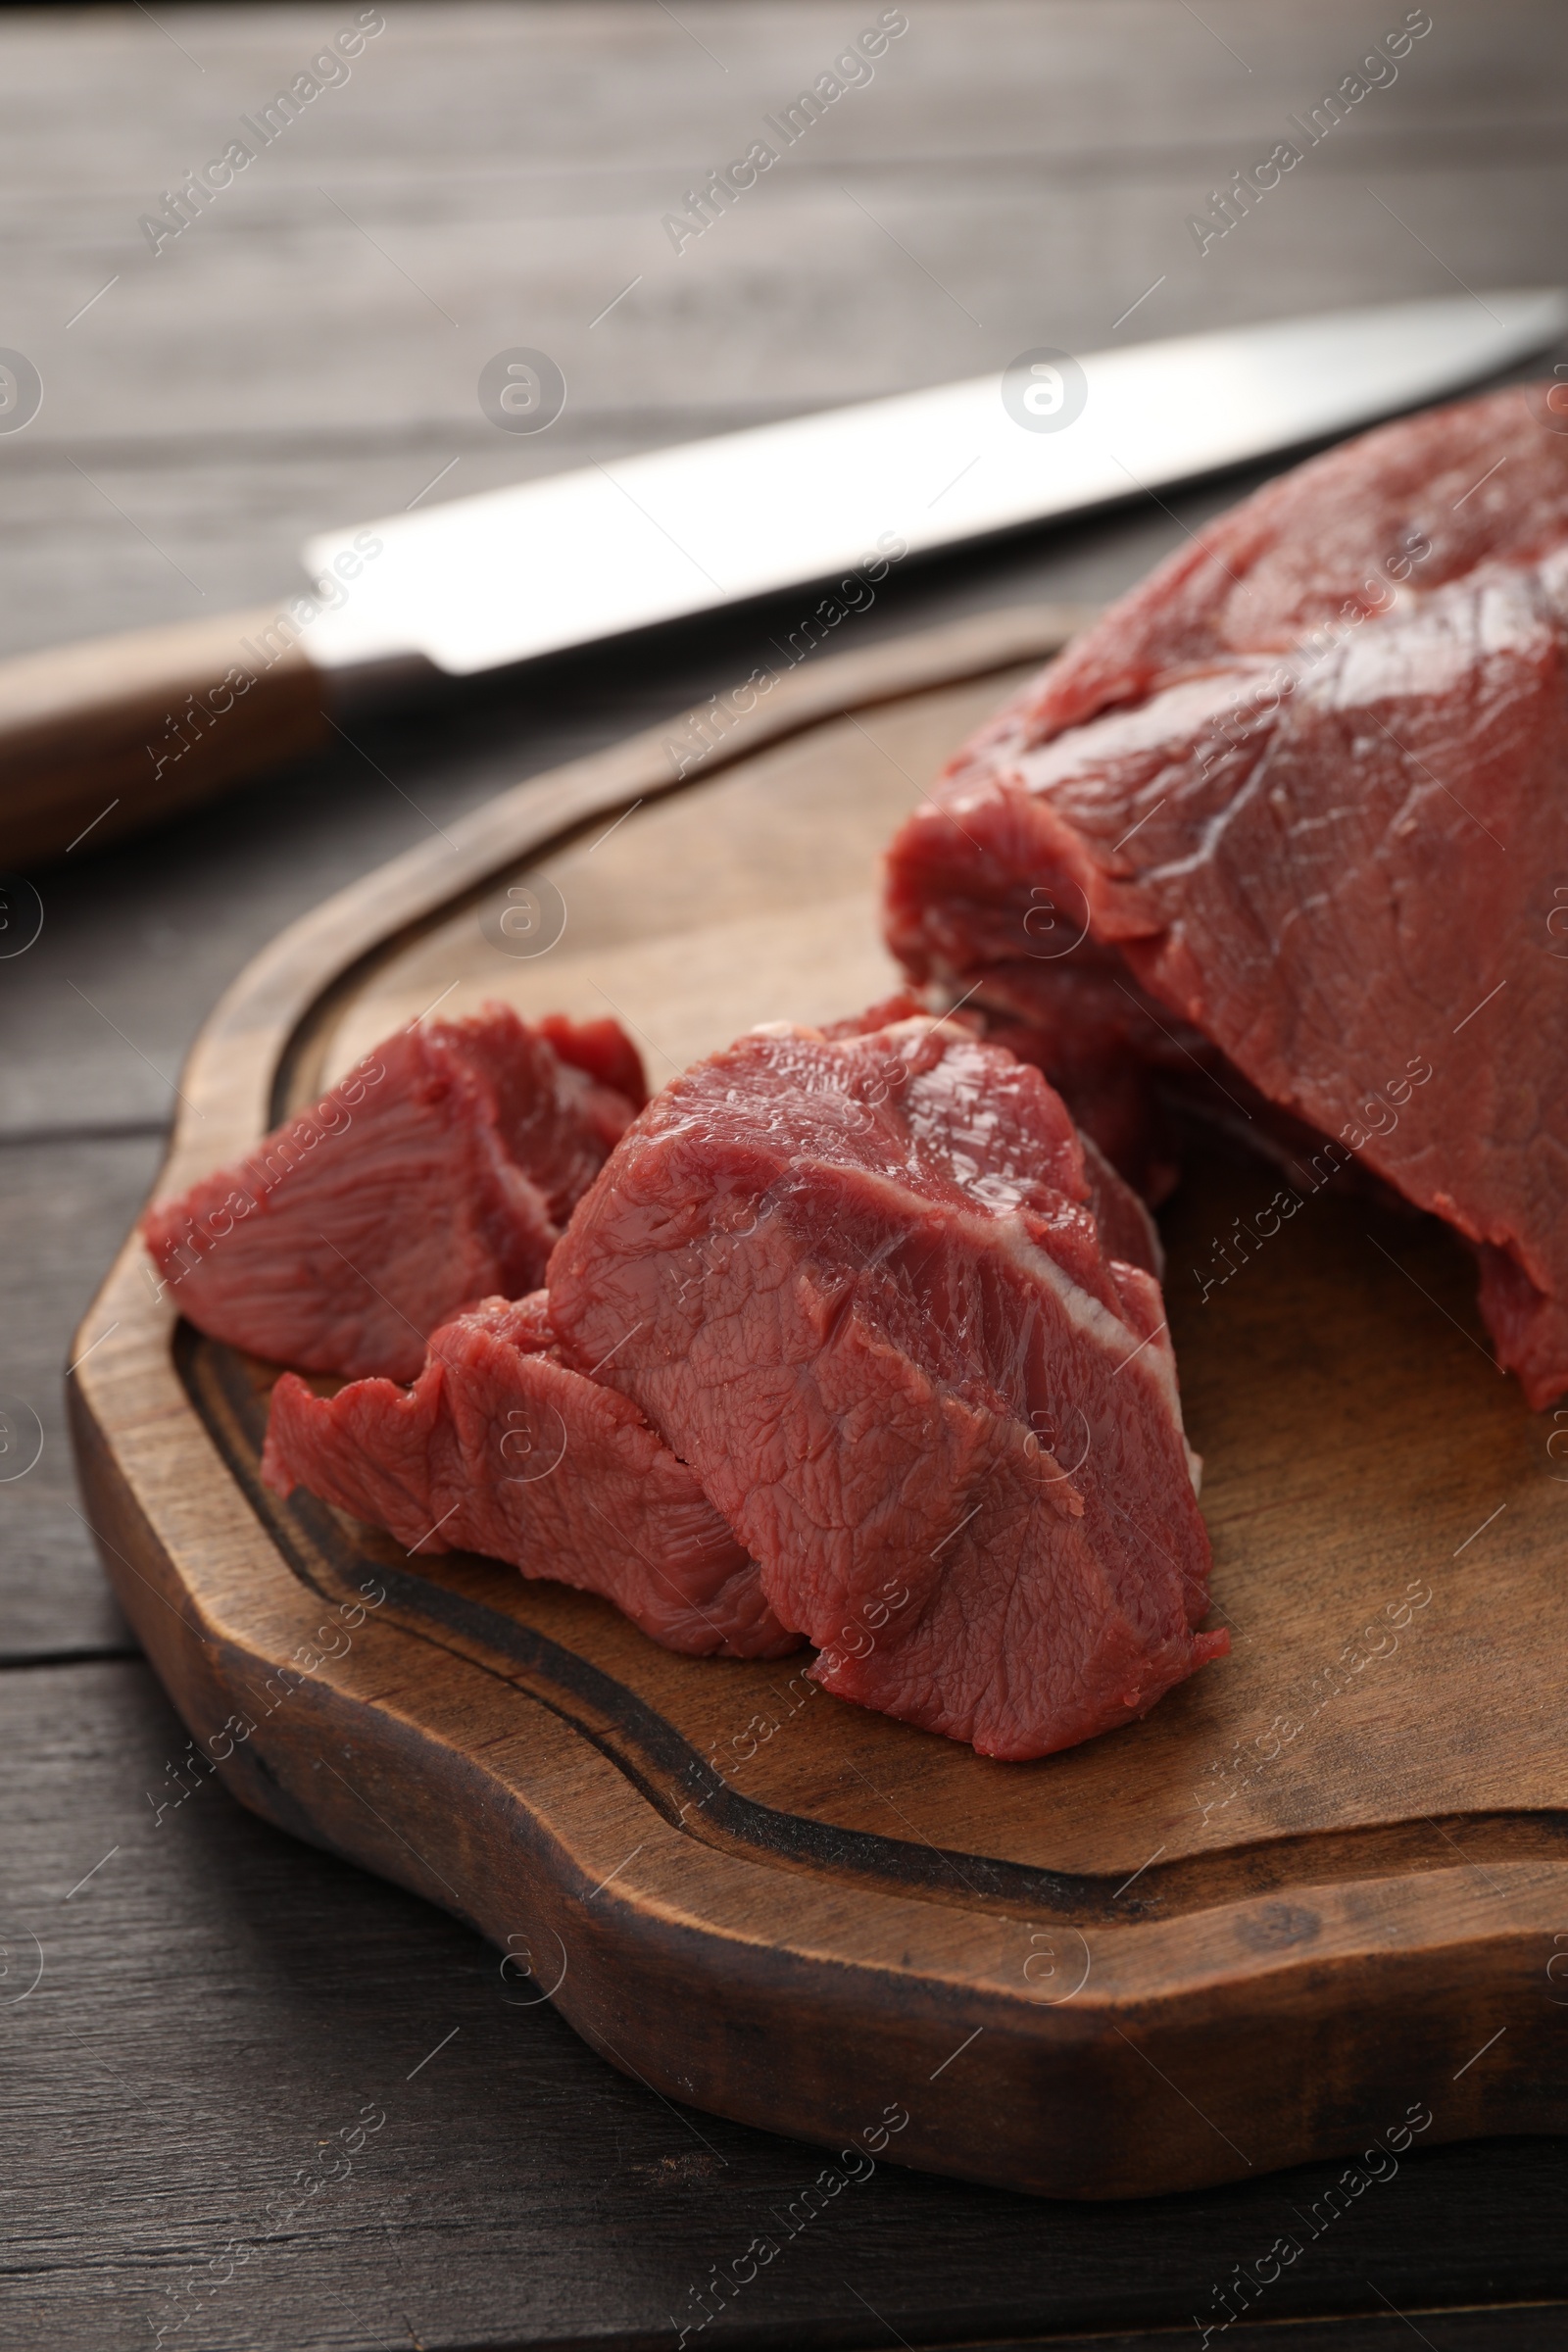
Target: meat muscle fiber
{"points": [[1126, 1228], [1306, 790], [500, 1448], [859, 1285], [439, 1170]]}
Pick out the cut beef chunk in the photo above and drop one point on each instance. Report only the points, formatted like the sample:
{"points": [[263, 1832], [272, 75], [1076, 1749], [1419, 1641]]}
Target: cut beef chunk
{"points": [[1307, 791], [1126, 1228], [500, 1448], [1145, 1097], [441, 1169], [858, 1284], [1102, 1052], [602, 1052]]}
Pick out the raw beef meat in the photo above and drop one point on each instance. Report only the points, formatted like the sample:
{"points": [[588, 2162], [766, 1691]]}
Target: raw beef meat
{"points": [[1126, 1228], [500, 1448], [440, 1170], [1143, 1086], [858, 1284], [1101, 1059], [1307, 791]]}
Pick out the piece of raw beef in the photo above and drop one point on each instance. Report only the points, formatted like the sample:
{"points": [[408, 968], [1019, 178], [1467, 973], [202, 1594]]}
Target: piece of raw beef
{"points": [[1120, 1209], [1305, 792], [501, 1448], [439, 1170], [857, 1283]]}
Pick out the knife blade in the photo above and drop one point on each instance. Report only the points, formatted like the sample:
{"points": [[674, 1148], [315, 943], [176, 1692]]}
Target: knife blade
{"points": [[98, 739], [576, 557]]}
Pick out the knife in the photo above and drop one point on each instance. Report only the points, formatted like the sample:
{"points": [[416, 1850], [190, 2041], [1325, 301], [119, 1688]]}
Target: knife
{"points": [[101, 738]]}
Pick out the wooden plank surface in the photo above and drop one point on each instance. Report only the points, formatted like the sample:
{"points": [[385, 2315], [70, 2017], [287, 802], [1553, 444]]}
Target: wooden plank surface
{"points": [[489, 175], [275, 370], [60, 1202], [218, 2001]]}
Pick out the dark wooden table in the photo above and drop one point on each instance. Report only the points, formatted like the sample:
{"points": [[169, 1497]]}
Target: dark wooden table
{"points": [[215, 2003]]}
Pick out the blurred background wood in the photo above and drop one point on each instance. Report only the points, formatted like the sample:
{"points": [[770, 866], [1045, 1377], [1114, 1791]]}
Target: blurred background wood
{"points": [[217, 2000], [1018, 171]]}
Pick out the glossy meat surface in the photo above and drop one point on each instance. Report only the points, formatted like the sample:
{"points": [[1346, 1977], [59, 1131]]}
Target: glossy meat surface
{"points": [[439, 1170], [500, 1448], [1305, 793], [857, 1283]]}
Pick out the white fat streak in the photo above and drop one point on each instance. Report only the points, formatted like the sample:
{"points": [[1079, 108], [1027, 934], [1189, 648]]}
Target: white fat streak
{"points": [[1087, 1313], [1155, 1362], [913, 1026], [917, 1027], [1106, 1330]]}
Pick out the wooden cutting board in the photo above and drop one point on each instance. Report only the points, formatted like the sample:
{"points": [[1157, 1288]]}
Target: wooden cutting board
{"points": [[1319, 1895]]}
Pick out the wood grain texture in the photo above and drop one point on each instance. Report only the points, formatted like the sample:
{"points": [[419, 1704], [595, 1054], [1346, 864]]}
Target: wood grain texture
{"points": [[1320, 1881], [64, 1203], [110, 736], [276, 372], [218, 1999], [306, 352]]}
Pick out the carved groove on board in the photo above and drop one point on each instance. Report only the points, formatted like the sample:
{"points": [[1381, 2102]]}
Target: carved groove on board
{"points": [[328, 1552]]}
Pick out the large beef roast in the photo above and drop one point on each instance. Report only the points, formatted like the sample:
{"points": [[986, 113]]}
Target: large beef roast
{"points": [[439, 1170], [501, 1448], [1305, 792], [858, 1284]]}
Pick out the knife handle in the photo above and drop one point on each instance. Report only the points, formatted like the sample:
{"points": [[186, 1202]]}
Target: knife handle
{"points": [[105, 737]]}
